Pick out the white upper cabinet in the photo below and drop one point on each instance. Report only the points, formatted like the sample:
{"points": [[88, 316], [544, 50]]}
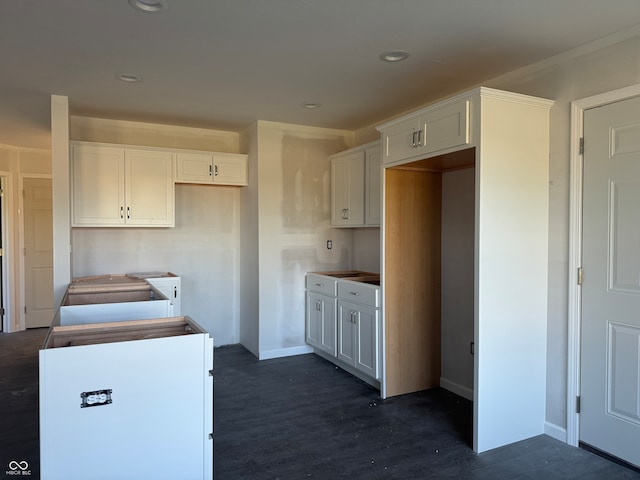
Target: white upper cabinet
{"points": [[430, 130], [347, 189], [211, 168], [355, 187], [116, 186]]}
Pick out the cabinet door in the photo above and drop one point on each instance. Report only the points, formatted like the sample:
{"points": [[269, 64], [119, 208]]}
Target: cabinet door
{"points": [[328, 333], [313, 320], [346, 332], [372, 186], [149, 188], [194, 168], [321, 322], [400, 140], [97, 186], [230, 169], [347, 190], [170, 288], [367, 337], [446, 128]]}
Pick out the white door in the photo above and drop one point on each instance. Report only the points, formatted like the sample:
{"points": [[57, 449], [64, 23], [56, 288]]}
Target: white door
{"points": [[610, 344], [38, 252]]}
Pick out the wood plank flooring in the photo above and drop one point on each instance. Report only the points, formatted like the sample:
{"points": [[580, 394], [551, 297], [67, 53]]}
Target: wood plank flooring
{"points": [[303, 418]]}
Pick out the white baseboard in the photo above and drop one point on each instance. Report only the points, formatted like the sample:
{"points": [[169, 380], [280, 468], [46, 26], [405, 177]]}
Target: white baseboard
{"points": [[555, 431], [285, 352], [456, 388]]}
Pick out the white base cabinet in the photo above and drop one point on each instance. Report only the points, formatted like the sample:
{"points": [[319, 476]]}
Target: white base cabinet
{"points": [[127, 400], [321, 322], [343, 322], [358, 334]]}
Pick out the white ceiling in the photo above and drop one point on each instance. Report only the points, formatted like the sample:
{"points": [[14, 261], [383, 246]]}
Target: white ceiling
{"points": [[225, 63]]}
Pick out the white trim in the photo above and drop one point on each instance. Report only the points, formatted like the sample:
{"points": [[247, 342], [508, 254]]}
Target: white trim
{"points": [[10, 253], [285, 352], [575, 250], [21, 324], [555, 431], [456, 388]]}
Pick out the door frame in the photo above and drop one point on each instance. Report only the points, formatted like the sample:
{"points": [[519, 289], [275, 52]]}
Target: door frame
{"points": [[21, 287], [575, 249], [7, 217]]}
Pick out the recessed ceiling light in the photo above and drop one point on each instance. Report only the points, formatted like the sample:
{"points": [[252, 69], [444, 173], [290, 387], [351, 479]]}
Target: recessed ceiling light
{"points": [[394, 56], [311, 106], [149, 6], [129, 77]]}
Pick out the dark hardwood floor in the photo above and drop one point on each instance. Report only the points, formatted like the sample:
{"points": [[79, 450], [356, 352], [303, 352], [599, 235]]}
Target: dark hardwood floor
{"points": [[303, 418]]}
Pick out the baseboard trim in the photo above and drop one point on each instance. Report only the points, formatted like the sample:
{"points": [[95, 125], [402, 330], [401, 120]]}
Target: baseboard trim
{"points": [[456, 388], [285, 352], [554, 431]]}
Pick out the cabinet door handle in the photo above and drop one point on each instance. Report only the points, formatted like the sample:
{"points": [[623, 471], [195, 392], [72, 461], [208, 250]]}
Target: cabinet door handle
{"points": [[413, 139], [319, 284], [351, 315], [345, 214], [354, 293], [121, 212], [128, 212], [318, 305], [210, 170], [420, 138], [175, 292], [215, 170]]}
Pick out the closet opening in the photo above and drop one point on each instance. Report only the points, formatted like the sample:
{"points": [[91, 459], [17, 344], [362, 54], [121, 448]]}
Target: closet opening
{"points": [[429, 274]]}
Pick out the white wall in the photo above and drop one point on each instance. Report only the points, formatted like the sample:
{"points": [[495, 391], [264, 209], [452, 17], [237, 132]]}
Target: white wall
{"points": [[601, 66], [569, 77], [457, 266], [249, 251], [204, 246], [294, 225]]}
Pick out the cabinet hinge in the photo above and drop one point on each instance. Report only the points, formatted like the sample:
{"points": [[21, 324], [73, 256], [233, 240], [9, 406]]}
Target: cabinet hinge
{"points": [[579, 275], [581, 146], [578, 404]]}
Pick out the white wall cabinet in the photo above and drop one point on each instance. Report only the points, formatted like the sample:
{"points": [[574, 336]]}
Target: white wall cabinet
{"points": [[435, 130], [505, 137], [211, 168], [121, 187], [355, 187]]}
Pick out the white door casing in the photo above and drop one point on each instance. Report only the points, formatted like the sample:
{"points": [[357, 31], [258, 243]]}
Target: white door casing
{"points": [[578, 108], [38, 252], [610, 343]]}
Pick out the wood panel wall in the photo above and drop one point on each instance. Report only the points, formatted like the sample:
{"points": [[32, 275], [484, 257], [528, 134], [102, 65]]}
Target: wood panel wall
{"points": [[412, 294]]}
